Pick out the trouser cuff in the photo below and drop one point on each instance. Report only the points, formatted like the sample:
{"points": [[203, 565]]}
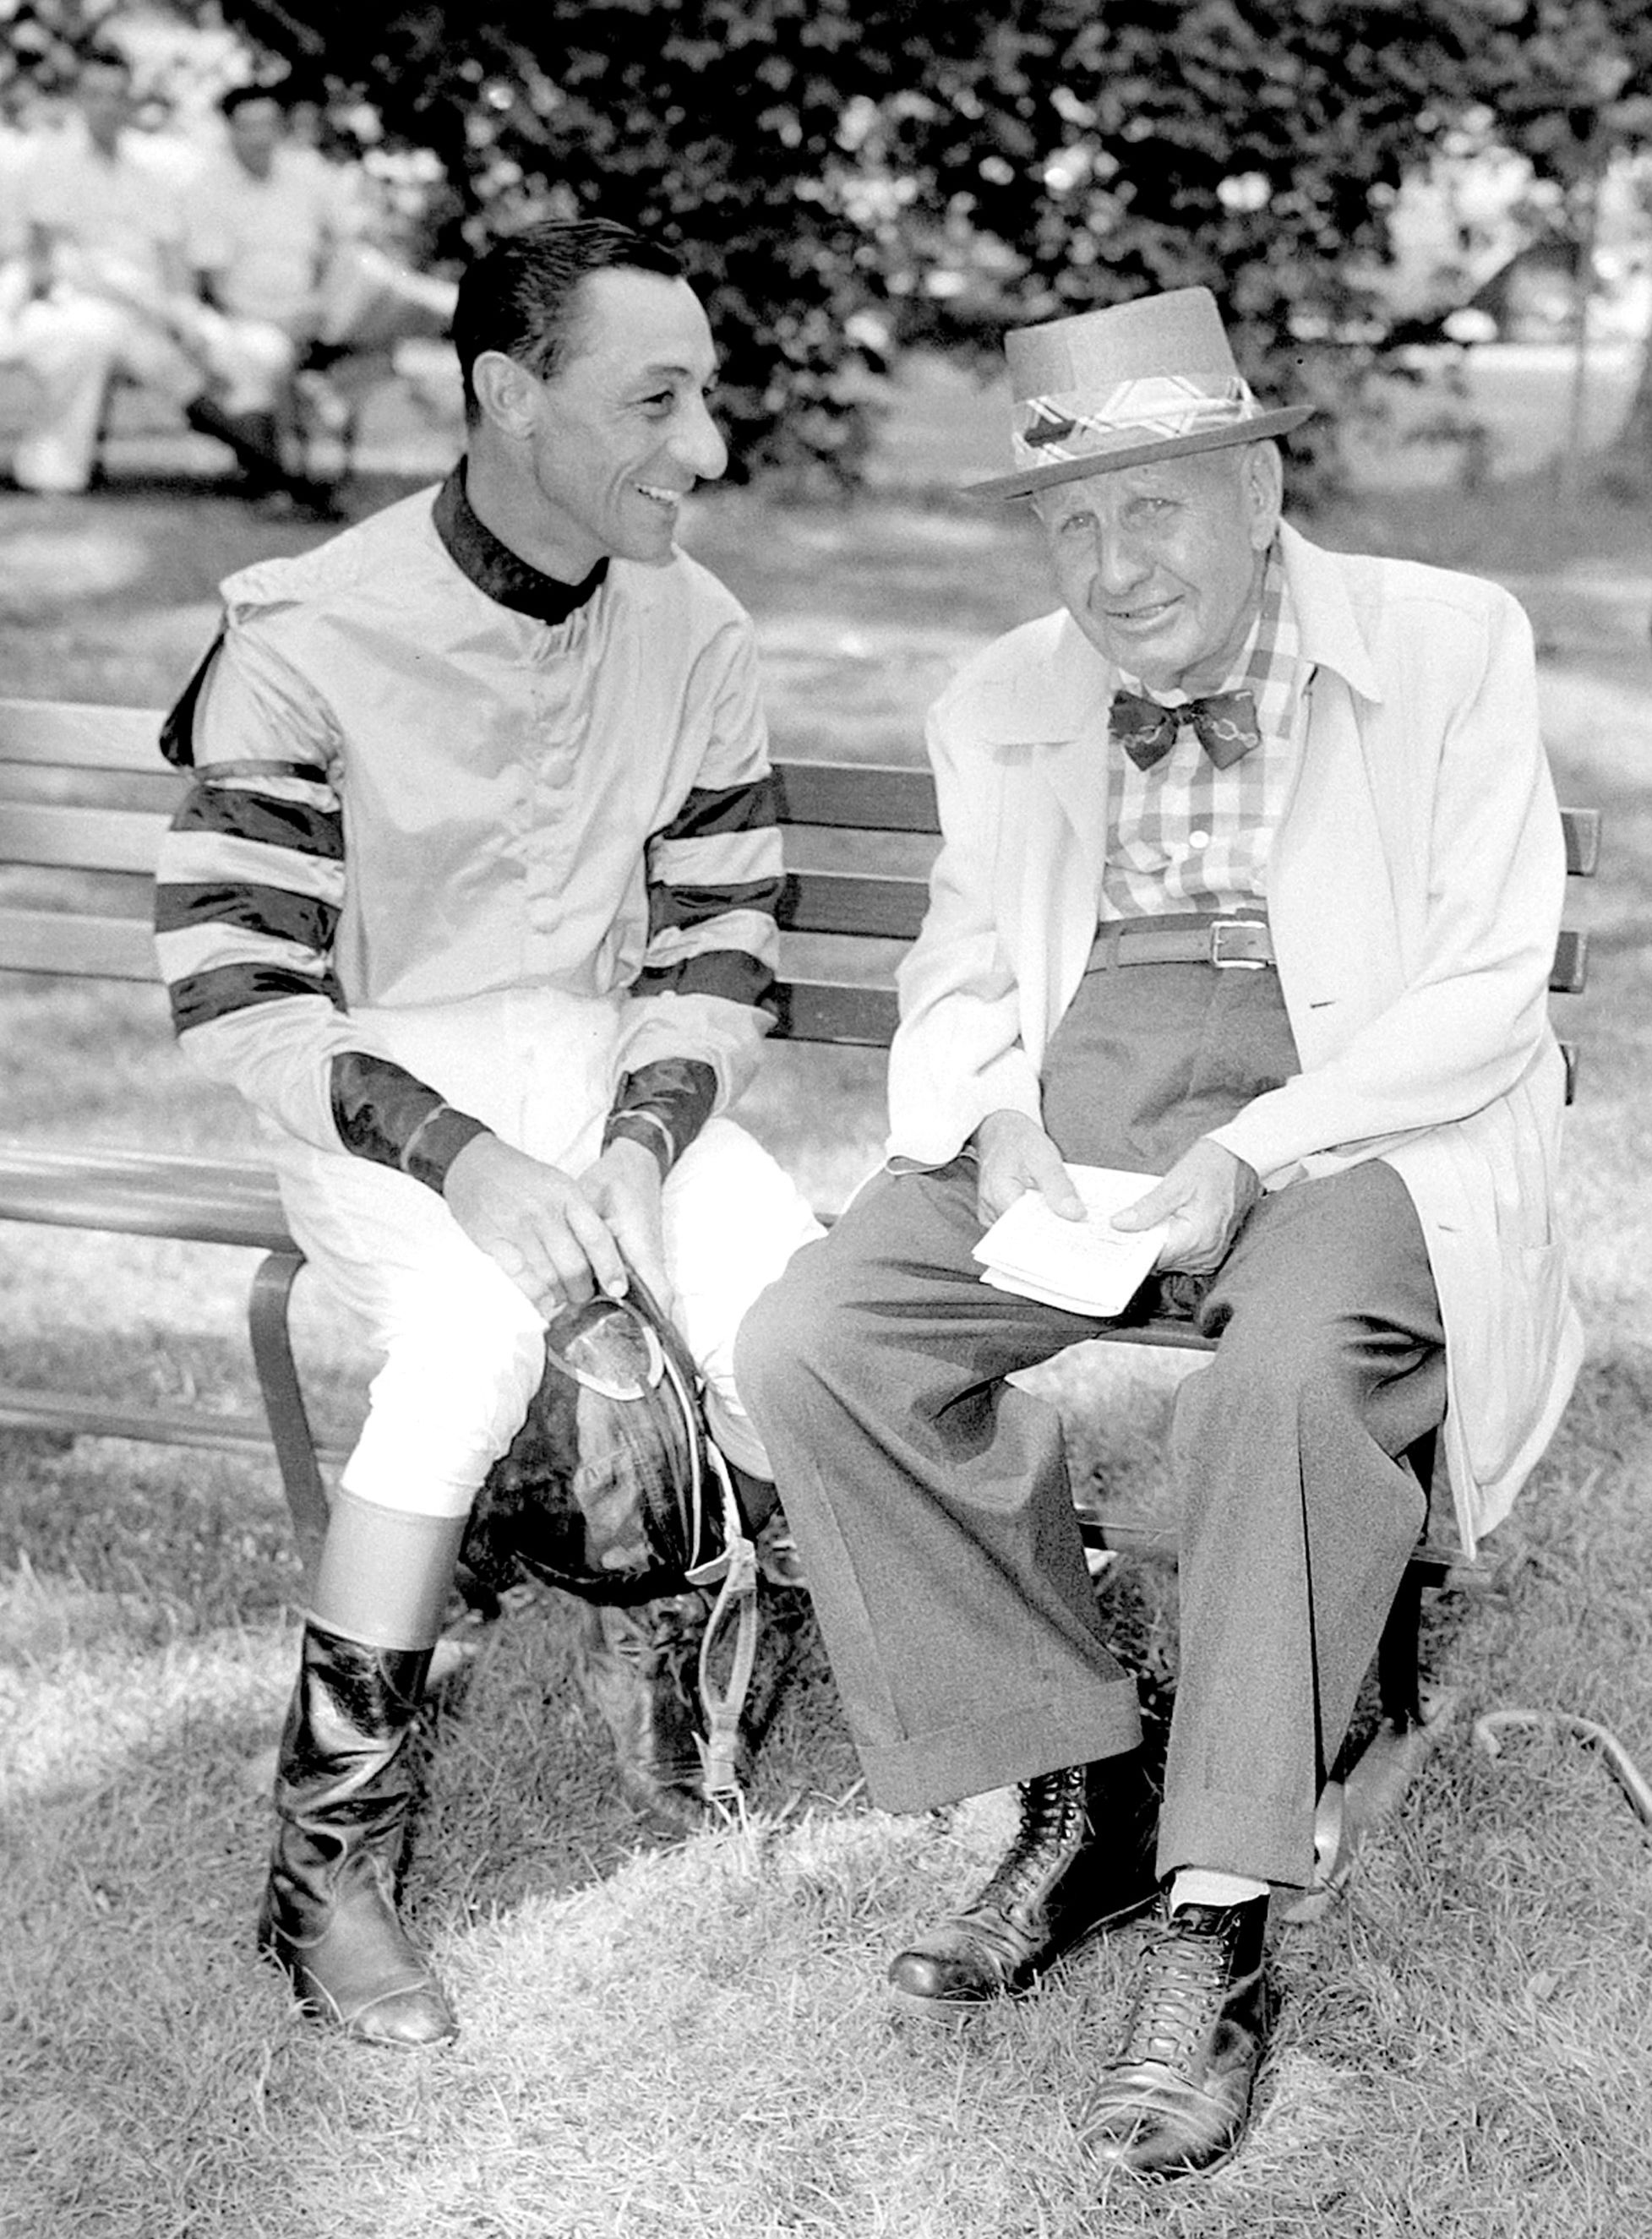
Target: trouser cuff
{"points": [[1264, 1838], [968, 1760]]}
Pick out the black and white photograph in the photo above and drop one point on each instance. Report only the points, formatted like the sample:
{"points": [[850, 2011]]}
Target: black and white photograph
{"points": [[826, 993]]}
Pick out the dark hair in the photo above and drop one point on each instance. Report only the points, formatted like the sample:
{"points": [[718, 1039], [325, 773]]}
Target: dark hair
{"points": [[519, 295], [103, 57], [243, 97]]}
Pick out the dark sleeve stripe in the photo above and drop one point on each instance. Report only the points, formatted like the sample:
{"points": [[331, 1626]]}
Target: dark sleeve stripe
{"points": [[230, 810], [274, 910], [177, 733], [202, 997], [730, 973], [726, 809], [677, 906]]}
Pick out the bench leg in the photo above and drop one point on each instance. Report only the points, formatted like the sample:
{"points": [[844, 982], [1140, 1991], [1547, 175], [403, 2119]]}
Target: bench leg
{"points": [[1399, 1653], [1398, 1677], [283, 1399]]}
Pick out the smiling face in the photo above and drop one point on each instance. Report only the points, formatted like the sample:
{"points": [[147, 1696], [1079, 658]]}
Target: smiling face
{"points": [[1161, 565], [617, 439]]}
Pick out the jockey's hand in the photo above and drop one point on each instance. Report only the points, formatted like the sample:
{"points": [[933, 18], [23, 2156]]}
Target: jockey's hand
{"points": [[1014, 1155], [543, 1227], [625, 1185], [1205, 1198]]}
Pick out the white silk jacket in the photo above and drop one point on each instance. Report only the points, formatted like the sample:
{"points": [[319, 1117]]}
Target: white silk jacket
{"points": [[1415, 889]]}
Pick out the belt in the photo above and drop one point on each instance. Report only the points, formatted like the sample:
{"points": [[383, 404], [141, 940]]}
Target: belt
{"points": [[1230, 943]]}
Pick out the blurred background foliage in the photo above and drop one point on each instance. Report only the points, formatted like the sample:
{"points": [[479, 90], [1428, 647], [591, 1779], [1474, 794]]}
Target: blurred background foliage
{"points": [[850, 178]]}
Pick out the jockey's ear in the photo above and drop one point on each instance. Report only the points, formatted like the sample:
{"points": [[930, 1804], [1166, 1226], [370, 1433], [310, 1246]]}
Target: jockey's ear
{"points": [[507, 394]]}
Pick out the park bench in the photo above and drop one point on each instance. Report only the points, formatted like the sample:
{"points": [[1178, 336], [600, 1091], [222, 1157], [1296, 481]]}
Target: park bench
{"points": [[84, 798]]}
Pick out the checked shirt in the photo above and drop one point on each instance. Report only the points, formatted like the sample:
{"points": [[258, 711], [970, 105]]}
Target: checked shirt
{"points": [[1185, 835]]}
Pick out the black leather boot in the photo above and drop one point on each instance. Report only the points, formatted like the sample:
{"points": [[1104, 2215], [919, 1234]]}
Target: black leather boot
{"points": [[641, 1671], [1177, 2097], [1081, 1862], [343, 1785]]}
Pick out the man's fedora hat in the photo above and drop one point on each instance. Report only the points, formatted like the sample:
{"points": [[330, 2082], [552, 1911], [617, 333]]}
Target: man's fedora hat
{"points": [[1149, 379]]}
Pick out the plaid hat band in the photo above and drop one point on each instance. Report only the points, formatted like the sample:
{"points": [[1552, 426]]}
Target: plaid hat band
{"points": [[1161, 408]]}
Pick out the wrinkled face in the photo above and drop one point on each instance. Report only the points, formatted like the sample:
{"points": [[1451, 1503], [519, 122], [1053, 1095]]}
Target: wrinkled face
{"points": [[621, 433], [1161, 565], [256, 132]]}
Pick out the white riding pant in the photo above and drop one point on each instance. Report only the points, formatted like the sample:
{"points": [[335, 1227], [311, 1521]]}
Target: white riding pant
{"points": [[250, 360], [74, 345], [462, 1348]]}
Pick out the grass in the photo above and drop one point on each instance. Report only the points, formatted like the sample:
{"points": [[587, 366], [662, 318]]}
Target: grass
{"points": [[659, 2042]]}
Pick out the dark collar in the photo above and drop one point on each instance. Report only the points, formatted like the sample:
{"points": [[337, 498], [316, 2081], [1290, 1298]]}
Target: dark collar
{"points": [[496, 569]]}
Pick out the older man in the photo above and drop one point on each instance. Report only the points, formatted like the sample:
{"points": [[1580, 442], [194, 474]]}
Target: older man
{"points": [[473, 899], [1250, 881]]}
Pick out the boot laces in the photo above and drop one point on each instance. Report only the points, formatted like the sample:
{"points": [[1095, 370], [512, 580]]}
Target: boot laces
{"points": [[1052, 1823], [1184, 1982]]}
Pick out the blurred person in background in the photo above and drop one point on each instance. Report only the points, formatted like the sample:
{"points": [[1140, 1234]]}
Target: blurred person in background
{"points": [[281, 241], [107, 294]]}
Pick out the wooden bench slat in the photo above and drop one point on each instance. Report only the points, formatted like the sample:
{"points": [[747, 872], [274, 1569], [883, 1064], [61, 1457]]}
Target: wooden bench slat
{"points": [[1570, 968], [133, 1192], [23, 1409], [80, 736], [81, 946], [822, 1011], [859, 797], [77, 945], [847, 901], [1582, 829], [79, 839]]}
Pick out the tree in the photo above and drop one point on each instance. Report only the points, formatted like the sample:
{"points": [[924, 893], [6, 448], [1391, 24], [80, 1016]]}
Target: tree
{"points": [[820, 159], [1570, 83], [843, 172]]}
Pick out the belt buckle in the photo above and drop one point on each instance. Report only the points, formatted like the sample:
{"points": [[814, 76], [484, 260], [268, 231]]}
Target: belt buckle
{"points": [[1227, 956]]}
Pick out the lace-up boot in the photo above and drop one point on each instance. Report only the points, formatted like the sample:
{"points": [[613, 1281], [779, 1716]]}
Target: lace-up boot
{"points": [[344, 1783], [1177, 2097], [640, 1670], [1081, 1862]]}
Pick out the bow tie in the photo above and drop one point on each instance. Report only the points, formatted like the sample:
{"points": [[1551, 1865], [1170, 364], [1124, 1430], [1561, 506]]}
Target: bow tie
{"points": [[1225, 722]]}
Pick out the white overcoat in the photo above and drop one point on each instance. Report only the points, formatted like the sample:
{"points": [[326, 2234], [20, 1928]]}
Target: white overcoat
{"points": [[1415, 888]]}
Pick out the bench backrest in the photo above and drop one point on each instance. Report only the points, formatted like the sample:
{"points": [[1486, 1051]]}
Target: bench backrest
{"points": [[85, 798]]}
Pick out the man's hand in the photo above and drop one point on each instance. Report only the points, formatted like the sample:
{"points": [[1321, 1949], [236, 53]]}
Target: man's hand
{"points": [[539, 1224], [1014, 1155], [624, 1186], [1205, 1198]]}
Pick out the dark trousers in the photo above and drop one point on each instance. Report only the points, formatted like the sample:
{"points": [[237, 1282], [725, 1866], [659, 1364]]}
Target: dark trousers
{"points": [[931, 1505]]}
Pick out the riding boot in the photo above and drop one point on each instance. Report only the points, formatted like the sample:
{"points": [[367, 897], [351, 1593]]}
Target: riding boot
{"points": [[346, 1778], [250, 435], [640, 1669], [254, 439]]}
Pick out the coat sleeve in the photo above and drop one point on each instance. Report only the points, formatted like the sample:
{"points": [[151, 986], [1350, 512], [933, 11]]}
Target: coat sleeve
{"points": [[249, 884], [705, 992], [957, 1055], [1473, 1012]]}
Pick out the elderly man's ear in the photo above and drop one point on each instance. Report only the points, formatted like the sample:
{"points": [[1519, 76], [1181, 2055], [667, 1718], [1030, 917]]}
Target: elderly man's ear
{"points": [[1263, 470]]}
